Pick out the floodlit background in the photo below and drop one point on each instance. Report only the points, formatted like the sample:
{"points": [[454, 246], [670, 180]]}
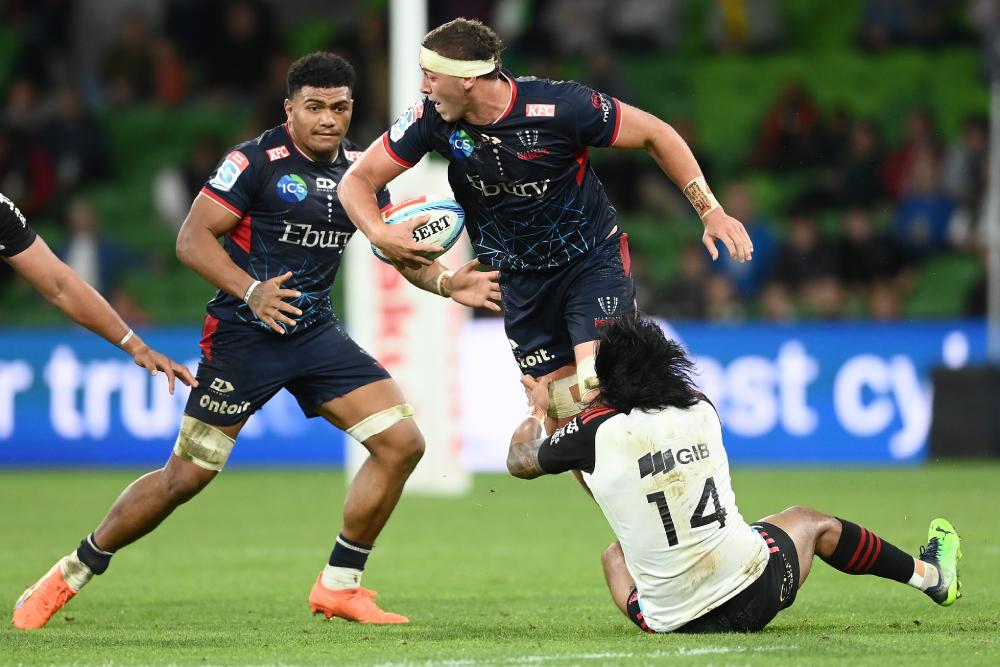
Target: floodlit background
{"points": [[850, 137]]}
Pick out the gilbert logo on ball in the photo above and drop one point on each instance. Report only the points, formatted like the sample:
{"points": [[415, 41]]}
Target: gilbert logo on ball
{"points": [[442, 228]]}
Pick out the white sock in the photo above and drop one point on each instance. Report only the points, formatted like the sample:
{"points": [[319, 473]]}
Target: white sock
{"points": [[339, 578], [75, 571], [928, 580]]}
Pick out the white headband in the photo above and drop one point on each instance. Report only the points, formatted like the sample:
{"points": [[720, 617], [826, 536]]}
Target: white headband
{"points": [[435, 62]]}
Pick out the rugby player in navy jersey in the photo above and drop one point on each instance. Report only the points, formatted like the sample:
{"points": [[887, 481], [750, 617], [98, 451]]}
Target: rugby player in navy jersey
{"points": [[29, 255], [518, 164], [273, 201]]}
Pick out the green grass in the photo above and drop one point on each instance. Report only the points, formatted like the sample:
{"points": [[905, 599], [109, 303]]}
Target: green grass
{"points": [[508, 575]]}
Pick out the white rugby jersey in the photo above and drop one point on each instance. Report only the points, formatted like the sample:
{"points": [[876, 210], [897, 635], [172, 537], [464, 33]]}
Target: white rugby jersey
{"points": [[662, 481]]}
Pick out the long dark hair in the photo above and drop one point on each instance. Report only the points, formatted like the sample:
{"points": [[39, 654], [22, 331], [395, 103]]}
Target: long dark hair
{"points": [[639, 368]]}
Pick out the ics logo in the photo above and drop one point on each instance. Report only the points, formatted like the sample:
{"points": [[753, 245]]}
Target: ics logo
{"points": [[292, 188], [462, 144]]}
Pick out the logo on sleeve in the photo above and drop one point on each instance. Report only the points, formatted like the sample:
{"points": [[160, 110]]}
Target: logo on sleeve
{"points": [[462, 144], [540, 110], [292, 188], [403, 123], [598, 102], [278, 153], [230, 170]]}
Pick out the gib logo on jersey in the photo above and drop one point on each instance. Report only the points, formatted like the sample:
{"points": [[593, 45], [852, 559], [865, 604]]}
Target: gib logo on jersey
{"points": [[292, 188], [462, 144]]}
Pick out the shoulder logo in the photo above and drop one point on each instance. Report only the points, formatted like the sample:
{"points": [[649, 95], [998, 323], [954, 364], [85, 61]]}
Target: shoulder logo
{"points": [[17, 213], [230, 170], [403, 123], [461, 143], [540, 110], [292, 188], [598, 102], [278, 153]]}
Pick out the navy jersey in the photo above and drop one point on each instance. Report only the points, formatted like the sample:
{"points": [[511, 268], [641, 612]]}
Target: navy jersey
{"points": [[531, 198], [15, 233], [290, 220]]}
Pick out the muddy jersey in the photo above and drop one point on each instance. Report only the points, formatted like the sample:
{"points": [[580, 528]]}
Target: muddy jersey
{"points": [[662, 481], [531, 199], [15, 233], [290, 220]]}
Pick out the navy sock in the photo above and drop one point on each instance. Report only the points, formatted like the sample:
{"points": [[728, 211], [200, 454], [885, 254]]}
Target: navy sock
{"points": [[92, 556], [860, 551], [348, 553]]}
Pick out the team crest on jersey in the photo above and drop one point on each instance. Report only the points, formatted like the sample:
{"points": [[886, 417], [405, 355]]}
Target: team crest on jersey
{"points": [[529, 139], [229, 171], [292, 188], [278, 153], [541, 110], [462, 144], [609, 304], [403, 123]]}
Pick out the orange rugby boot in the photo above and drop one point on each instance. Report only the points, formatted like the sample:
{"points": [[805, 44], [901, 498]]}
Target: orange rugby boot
{"points": [[353, 604], [41, 602]]}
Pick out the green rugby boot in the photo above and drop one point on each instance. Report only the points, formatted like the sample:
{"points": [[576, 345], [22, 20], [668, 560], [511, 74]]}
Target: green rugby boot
{"points": [[943, 551]]}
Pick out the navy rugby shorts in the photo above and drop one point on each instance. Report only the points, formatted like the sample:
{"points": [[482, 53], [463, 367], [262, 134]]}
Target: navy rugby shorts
{"points": [[242, 367], [548, 312]]}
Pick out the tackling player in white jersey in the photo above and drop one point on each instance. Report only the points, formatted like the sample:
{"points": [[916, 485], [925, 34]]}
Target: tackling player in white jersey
{"points": [[650, 450]]}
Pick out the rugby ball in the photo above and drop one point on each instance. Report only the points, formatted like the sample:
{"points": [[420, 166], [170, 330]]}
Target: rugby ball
{"points": [[443, 228]]}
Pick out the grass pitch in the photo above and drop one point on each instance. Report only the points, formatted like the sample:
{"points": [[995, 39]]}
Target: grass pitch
{"points": [[509, 575]]}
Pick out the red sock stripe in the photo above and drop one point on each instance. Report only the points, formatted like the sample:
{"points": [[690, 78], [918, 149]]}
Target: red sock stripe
{"points": [[860, 567], [867, 567], [857, 552]]}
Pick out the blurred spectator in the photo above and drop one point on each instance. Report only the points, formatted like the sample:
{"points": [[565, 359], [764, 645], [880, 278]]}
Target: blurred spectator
{"points": [[887, 23], [26, 173], [242, 50], [789, 134], [748, 277], [644, 26], [965, 176], [98, 260], [925, 209], [23, 110], [127, 68], [684, 296], [807, 266], [865, 254], [776, 304], [573, 27], [77, 142], [920, 137], [175, 187], [43, 28], [721, 302], [855, 178], [170, 78], [885, 302], [745, 25]]}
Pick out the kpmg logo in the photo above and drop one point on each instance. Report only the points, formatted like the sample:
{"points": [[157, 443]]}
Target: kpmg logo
{"points": [[304, 235], [462, 144], [292, 188], [533, 189]]}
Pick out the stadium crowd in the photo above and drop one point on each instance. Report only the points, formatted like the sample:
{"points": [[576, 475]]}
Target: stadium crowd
{"points": [[867, 205]]}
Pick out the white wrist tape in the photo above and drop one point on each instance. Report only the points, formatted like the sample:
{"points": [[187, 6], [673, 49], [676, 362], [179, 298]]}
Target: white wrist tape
{"points": [[126, 338], [562, 403], [440, 279], [435, 62], [253, 286], [700, 196]]}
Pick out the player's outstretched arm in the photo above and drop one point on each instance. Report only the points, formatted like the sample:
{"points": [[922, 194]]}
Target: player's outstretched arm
{"points": [[468, 285], [66, 290], [641, 130], [198, 247], [522, 457], [357, 192]]}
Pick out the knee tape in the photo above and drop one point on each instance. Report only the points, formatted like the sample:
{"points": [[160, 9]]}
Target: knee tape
{"points": [[562, 404], [587, 375], [380, 421], [203, 445]]}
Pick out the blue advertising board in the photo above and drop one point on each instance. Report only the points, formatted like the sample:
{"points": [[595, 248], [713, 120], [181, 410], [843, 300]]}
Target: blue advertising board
{"points": [[808, 393]]}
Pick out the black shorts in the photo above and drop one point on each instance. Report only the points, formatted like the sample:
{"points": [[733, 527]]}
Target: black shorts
{"points": [[242, 367], [548, 312], [757, 604]]}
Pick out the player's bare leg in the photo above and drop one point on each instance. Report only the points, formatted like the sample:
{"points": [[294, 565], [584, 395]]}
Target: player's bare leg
{"points": [[141, 507], [395, 446], [854, 549], [620, 582]]}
